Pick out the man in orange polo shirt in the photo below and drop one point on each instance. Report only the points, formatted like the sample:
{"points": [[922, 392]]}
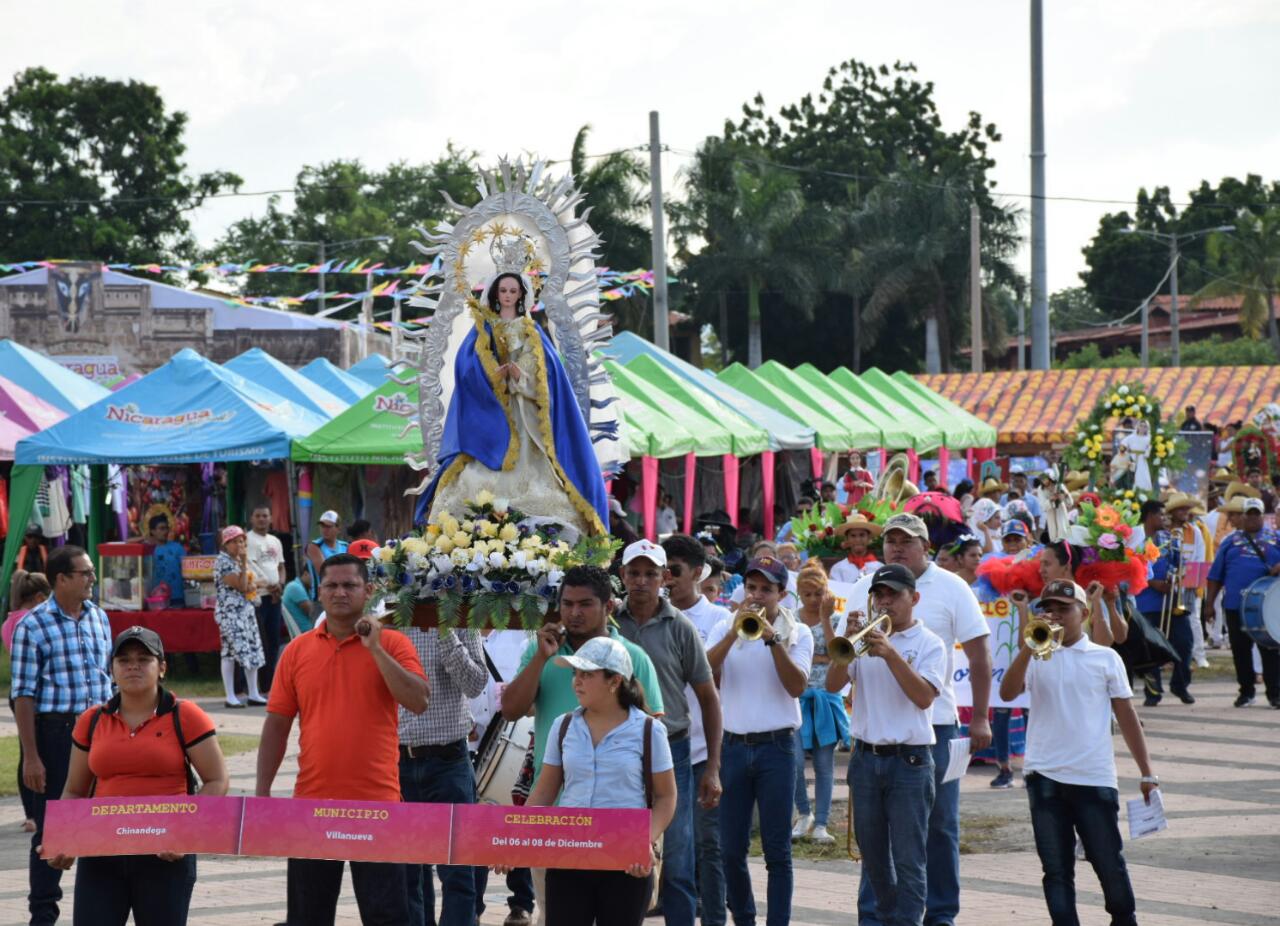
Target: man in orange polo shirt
{"points": [[345, 680]]}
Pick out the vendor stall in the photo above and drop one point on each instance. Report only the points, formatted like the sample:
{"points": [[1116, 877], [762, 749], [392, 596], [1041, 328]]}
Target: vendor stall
{"points": [[189, 411], [336, 380], [259, 367]]}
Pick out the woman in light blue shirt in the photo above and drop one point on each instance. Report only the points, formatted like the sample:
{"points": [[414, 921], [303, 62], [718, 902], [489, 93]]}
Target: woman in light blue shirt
{"points": [[595, 757]]}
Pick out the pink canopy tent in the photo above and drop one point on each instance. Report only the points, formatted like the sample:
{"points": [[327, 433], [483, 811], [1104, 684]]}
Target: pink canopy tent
{"points": [[26, 409], [10, 433]]}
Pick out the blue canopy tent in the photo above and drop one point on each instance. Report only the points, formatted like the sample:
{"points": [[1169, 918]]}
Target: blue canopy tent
{"points": [[372, 369], [259, 367], [47, 379], [188, 411], [336, 380]]}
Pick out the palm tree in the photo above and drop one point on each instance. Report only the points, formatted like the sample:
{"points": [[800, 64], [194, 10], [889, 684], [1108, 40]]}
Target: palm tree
{"points": [[911, 225], [756, 230], [1251, 255]]}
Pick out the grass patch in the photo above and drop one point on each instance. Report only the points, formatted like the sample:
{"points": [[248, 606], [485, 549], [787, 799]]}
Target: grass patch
{"points": [[980, 834], [234, 744]]}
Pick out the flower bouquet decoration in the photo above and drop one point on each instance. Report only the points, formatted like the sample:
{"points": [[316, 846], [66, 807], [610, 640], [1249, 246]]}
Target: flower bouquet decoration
{"points": [[1104, 532], [483, 567], [815, 531], [1089, 447]]}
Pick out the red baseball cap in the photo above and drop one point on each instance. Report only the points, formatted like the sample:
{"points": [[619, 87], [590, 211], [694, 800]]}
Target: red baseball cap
{"points": [[362, 548]]}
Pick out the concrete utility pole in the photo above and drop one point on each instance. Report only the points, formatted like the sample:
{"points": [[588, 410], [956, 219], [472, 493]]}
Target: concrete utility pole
{"points": [[661, 327], [975, 289], [1022, 336], [1040, 354], [1146, 306]]}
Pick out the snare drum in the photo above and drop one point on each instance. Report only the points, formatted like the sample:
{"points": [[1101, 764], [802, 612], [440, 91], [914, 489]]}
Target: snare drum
{"points": [[499, 758], [1260, 611]]}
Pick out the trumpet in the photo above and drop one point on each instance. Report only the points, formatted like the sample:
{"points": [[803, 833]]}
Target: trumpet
{"points": [[750, 622], [844, 650], [1042, 637]]}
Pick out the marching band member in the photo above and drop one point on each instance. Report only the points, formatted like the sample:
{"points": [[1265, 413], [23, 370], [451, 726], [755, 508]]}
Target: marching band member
{"points": [[949, 608], [1070, 765], [1159, 603], [761, 681], [891, 773]]}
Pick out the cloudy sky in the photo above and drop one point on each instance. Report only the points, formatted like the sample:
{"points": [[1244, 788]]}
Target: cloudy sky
{"points": [[1137, 92]]}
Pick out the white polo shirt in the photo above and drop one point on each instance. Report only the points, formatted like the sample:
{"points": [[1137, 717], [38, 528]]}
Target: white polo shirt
{"points": [[1069, 738], [704, 616], [950, 609], [882, 712], [752, 699]]}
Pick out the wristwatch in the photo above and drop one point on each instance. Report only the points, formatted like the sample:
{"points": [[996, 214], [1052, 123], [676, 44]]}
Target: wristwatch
{"points": [[772, 641], [1150, 780]]}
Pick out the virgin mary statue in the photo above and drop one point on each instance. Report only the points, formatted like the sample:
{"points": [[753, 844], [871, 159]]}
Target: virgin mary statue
{"points": [[513, 427]]}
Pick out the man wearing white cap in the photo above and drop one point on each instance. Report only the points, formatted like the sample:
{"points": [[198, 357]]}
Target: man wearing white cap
{"points": [[1246, 556], [326, 545], [948, 607], [673, 644]]}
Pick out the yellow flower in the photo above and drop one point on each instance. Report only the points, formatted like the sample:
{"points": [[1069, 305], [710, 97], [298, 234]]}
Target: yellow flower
{"points": [[487, 528], [468, 526], [1128, 493], [386, 554], [462, 539], [530, 543], [416, 545], [1092, 454], [497, 546], [444, 544], [483, 497], [508, 532], [448, 524], [433, 531]]}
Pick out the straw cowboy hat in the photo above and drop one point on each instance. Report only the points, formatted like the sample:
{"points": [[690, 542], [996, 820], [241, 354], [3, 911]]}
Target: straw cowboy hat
{"points": [[1242, 489], [1234, 506], [991, 484], [1222, 476], [1181, 500], [857, 521], [1075, 480]]}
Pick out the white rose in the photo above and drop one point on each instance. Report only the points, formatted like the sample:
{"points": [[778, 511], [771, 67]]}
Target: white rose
{"points": [[460, 557], [477, 562], [536, 567], [501, 504], [518, 559], [554, 576], [442, 563], [497, 561], [1123, 390]]}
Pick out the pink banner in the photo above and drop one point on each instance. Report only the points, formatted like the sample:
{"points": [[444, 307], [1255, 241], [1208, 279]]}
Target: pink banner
{"points": [[766, 482], [690, 486], [549, 837], [362, 831], [142, 825], [649, 495], [731, 487]]}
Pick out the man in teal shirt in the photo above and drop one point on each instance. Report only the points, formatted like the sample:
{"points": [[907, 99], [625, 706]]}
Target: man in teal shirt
{"points": [[586, 602]]}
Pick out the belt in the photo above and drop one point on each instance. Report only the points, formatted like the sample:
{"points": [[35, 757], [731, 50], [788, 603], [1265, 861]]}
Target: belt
{"points": [[455, 750], [61, 716], [677, 737], [888, 749], [754, 739]]}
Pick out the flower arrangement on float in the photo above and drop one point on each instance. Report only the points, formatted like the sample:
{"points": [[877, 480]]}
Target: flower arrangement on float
{"points": [[814, 532], [1104, 532], [482, 567], [1089, 447]]}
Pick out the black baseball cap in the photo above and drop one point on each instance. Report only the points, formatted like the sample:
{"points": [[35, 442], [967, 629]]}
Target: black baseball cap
{"points": [[895, 576], [148, 638]]}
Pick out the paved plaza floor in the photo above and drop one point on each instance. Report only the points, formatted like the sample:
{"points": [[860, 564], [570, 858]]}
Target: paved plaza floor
{"points": [[1218, 862]]}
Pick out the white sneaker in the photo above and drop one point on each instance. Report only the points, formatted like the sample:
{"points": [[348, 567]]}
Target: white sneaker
{"points": [[801, 829], [1202, 663], [821, 835]]}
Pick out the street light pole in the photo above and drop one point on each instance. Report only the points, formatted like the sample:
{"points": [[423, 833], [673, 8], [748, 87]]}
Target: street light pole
{"points": [[1175, 357]]}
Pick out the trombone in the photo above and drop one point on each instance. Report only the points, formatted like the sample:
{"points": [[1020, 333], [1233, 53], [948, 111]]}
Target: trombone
{"points": [[1042, 637], [1172, 605], [844, 650], [750, 622]]}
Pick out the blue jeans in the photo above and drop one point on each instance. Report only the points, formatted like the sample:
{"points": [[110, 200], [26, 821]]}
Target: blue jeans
{"points": [[439, 781], [679, 896], [158, 893], [53, 746], [268, 612], [312, 886], [942, 893], [762, 775], [824, 773], [1000, 734], [706, 834], [1058, 812], [892, 797]]}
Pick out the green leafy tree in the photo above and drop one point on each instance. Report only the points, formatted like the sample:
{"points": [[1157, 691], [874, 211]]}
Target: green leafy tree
{"points": [[93, 169], [1250, 257], [1123, 269], [758, 231], [344, 201]]}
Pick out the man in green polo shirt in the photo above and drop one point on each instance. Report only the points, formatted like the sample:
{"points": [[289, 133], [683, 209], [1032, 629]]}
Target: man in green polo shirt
{"points": [[586, 602]]}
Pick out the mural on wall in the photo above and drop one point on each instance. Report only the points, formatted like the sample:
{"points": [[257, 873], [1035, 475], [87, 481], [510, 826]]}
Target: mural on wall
{"points": [[73, 289]]}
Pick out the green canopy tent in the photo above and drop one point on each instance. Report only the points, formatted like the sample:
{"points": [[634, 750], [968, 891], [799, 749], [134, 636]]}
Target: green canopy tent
{"points": [[897, 432], [832, 436], [749, 439], [371, 430], [977, 433]]}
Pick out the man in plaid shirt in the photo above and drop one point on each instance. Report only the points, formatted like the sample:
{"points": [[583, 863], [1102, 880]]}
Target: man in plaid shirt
{"points": [[61, 667], [435, 763]]}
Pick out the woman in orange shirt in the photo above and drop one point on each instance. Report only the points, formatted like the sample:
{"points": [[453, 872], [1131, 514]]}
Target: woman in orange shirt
{"points": [[112, 759]]}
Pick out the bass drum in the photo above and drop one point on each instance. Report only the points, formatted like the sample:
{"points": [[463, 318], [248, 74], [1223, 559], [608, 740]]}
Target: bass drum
{"points": [[500, 757], [1260, 611]]}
